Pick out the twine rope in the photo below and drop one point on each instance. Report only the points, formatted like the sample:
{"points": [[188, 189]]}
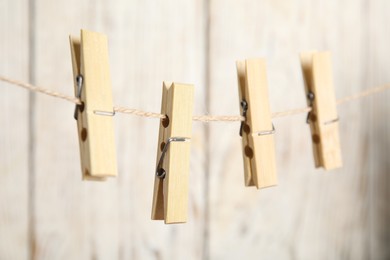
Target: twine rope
{"points": [[201, 118]]}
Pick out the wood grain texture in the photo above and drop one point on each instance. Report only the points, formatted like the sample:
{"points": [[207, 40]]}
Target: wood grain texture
{"points": [[170, 197], [257, 146], [96, 131], [158, 203], [309, 215], [377, 130], [241, 78], [323, 119], [14, 143], [111, 220]]}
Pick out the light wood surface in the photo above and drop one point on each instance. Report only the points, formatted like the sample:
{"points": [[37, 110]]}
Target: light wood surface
{"points": [[170, 197], [15, 183], [258, 148], [323, 119], [96, 131], [311, 214], [111, 220]]}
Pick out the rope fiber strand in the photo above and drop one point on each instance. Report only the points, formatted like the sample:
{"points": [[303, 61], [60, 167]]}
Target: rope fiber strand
{"points": [[40, 90], [202, 118]]}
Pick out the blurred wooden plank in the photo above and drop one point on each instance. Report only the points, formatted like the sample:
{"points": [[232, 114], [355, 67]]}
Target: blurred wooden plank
{"points": [[146, 46], [299, 212], [63, 219], [14, 217], [155, 44], [377, 111], [329, 212]]}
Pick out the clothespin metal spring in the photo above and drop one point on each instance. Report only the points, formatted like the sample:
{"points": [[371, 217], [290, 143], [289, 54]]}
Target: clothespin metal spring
{"points": [[160, 172], [269, 132], [310, 97], [79, 81], [332, 121], [104, 113], [244, 106]]}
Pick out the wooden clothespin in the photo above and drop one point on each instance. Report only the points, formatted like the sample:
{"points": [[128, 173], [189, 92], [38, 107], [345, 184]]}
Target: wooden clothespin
{"points": [[323, 118], [257, 130], [92, 85], [170, 198]]}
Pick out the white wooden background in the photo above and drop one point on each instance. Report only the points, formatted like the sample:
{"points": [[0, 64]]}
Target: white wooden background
{"points": [[46, 212]]}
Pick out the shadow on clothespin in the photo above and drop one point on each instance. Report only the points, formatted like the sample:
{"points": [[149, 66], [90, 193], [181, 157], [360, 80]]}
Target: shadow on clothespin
{"points": [[323, 118], [257, 130], [92, 85], [170, 197]]}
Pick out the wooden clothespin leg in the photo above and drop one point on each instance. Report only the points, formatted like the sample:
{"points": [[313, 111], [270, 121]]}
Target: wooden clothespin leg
{"points": [[257, 130], [323, 118], [170, 198], [92, 85]]}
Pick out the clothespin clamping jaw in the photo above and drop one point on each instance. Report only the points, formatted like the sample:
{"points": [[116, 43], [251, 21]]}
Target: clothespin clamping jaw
{"points": [[92, 85], [323, 118], [257, 131], [170, 198]]}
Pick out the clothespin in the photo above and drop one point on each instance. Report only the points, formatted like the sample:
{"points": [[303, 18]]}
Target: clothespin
{"points": [[257, 130], [323, 118], [92, 85], [170, 197]]}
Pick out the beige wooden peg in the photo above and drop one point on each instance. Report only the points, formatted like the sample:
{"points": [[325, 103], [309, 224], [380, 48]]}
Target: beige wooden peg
{"points": [[170, 198], [323, 118], [92, 84], [257, 130]]}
